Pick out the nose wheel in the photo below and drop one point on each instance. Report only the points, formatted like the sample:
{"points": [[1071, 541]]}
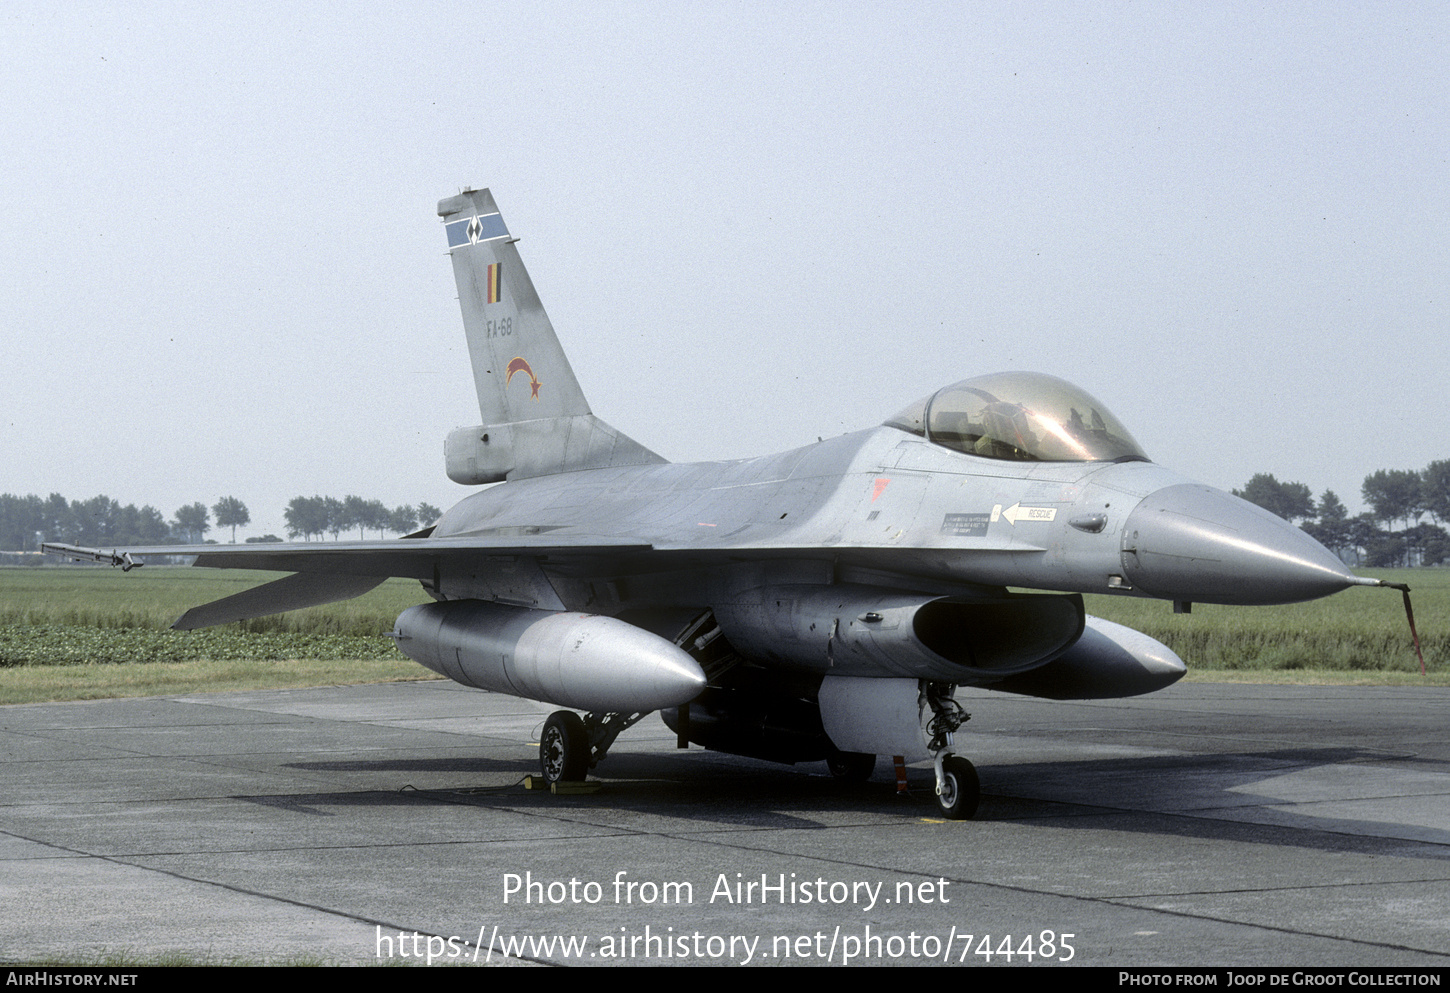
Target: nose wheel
{"points": [[958, 789], [564, 748]]}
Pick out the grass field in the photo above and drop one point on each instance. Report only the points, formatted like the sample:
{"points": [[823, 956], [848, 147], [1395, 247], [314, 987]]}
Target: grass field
{"points": [[1359, 630], [78, 633], [84, 634], [155, 596]]}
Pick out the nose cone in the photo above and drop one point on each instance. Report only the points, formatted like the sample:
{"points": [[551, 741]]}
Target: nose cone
{"points": [[1193, 542]]}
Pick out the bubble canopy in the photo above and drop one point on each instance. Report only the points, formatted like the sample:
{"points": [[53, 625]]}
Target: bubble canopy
{"points": [[1020, 417]]}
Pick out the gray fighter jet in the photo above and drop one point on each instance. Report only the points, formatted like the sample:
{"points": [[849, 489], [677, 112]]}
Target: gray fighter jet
{"points": [[819, 604]]}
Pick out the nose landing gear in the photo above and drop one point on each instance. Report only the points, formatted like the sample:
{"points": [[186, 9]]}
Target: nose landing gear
{"points": [[958, 790]]}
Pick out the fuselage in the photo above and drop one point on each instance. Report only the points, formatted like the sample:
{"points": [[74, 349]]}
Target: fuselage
{"points": [[891, 502]]}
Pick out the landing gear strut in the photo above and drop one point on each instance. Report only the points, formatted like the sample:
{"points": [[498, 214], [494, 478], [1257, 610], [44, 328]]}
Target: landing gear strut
{"points": [[570, 745], [958, 790]]}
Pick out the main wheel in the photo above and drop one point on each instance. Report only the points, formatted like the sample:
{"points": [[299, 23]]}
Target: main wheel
{"points": [[564, 748], [851, 767], [961, 789]]}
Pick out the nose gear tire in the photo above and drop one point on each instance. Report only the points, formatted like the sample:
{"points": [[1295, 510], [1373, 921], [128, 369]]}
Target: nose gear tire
{"points": [[961, 789]]}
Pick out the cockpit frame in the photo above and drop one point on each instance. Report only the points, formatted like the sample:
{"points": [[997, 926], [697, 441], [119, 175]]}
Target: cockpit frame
{"points": [[1020, 417]]}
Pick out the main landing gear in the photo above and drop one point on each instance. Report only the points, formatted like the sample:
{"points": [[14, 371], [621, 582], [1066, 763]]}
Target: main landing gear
{"points": [[570, 745], [564, 748], [851, 767], [958, 790]]}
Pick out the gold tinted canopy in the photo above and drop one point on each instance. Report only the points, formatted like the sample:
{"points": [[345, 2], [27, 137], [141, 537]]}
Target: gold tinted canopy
{"points": [[1021, 417]]}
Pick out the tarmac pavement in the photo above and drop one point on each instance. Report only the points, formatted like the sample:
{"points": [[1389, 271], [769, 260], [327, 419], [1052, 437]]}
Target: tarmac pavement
{"points": [[1203, 825]]}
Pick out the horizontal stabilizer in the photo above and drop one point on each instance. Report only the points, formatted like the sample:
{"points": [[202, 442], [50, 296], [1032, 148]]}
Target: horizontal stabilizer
{"points": [[305, 589]]}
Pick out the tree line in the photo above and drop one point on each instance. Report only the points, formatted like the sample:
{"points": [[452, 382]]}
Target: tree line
{"points": [[309, 517], [1391, 533], [27, 521]]}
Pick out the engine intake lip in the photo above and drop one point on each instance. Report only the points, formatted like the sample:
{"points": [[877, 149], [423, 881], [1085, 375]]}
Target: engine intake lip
{"points": [[1000, 636]]}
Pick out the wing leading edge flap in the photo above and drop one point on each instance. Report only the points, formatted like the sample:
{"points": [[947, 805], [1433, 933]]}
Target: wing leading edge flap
{"points": [[409, 558], [305, 589]]}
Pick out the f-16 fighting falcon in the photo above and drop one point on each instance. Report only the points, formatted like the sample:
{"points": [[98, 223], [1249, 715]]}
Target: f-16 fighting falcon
{"points": [[819, 604]]}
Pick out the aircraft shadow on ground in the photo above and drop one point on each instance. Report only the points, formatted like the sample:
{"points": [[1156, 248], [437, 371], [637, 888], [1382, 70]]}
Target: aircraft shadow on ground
{"points": [[696, 786], [1195, 796], [460, 764]]}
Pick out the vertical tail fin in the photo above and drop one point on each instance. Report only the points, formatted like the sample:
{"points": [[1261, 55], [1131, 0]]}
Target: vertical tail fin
{"points": [[536, 420], [519, 369]]}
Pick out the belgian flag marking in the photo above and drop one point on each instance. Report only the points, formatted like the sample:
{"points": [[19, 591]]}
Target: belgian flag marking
{"points": [[495, 286]]}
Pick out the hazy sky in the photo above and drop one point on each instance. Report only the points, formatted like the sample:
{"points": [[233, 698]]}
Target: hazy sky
{"points": [[753, 224]]}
